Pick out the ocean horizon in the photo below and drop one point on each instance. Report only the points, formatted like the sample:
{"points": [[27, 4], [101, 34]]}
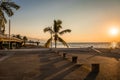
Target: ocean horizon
{"points": [[87, 44]]}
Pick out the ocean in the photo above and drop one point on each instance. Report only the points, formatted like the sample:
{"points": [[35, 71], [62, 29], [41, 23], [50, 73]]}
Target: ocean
{"points": [[89, 44]]}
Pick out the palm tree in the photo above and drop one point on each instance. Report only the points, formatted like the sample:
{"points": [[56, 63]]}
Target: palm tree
{"points": [[25, 39], [56, 32], [3, 21], [6, 6], [18, 36]]}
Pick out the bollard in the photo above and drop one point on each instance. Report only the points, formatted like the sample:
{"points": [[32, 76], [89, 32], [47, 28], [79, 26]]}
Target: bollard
{"points": [[74, 59], [64, 55], [95, 68]]}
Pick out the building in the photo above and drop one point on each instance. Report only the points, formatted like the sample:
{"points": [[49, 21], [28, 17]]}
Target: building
{"points": [[12, 42]]}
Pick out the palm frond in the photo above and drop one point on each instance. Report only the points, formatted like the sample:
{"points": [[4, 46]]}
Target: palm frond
{"points": [[59, 22], [13, 5], [63, 42], [2, 23], [2, 16], [7, 7], [47, 44], [57, 25], [65, 31], [48, 29]]}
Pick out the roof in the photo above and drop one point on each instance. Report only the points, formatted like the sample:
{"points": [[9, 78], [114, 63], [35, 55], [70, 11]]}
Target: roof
{"points": [[11, 39]]}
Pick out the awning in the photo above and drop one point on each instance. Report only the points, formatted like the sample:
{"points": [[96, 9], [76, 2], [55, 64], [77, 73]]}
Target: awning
{"points": [[11, 39]]}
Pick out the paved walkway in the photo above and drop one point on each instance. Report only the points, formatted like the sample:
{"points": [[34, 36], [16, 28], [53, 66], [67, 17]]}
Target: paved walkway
{"points": [[6, 55], [44, 65]]}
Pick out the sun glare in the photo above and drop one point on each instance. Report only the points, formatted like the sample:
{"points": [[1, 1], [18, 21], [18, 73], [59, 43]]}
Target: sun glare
{"points": [[114, 31]]}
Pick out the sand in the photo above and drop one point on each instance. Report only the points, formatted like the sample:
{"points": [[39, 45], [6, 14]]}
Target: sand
{"points": [[42, 64]]}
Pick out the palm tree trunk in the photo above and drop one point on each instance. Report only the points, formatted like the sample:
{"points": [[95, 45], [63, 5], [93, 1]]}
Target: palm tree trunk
{"points": [[51, 36], [55, 40], [55, 43], [24, 43]]}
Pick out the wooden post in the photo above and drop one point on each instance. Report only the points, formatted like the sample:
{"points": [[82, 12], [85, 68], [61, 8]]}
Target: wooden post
{"points": [[74, 59], [95, 68], [64, 55]]}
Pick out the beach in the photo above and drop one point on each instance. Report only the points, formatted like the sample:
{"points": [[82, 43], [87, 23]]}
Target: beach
{"points": [[42, 64]]}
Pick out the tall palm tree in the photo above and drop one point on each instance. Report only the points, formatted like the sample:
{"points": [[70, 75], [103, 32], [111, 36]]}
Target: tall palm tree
{"points": [[7, 7], [56, 32]]}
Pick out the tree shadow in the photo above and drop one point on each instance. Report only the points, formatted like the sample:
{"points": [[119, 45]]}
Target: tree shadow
{"points": [[91, 76], [66, 72], [49, 68]]}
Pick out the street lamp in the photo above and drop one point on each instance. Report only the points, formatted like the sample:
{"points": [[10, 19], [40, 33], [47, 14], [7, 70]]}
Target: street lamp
{"points": [[9, 28], [9, 32]]}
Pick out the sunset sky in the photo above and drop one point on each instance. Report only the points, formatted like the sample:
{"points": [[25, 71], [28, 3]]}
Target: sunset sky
{"points": [[89, 20]]}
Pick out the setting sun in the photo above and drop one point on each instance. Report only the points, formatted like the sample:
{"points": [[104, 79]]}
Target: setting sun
{"points": [[114, 31]]}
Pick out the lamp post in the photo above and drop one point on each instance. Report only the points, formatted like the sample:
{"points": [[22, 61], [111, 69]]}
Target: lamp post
{"points": [[9, 32], [9, 29]]}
